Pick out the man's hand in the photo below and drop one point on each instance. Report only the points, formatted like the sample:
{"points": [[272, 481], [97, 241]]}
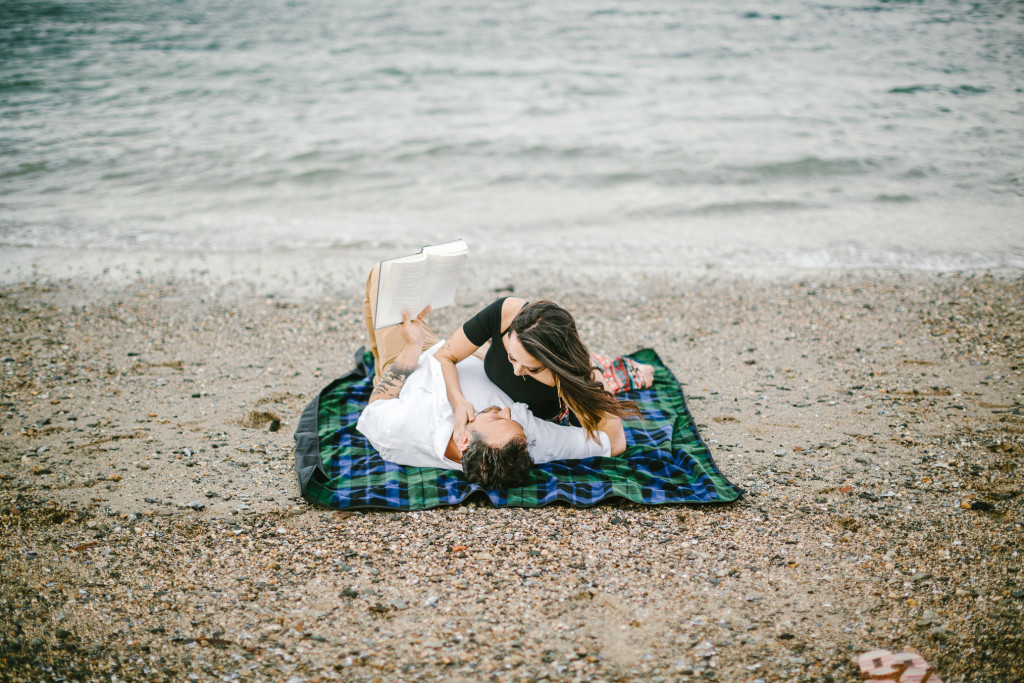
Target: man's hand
{"points": [[391, 383], [412, 329]]}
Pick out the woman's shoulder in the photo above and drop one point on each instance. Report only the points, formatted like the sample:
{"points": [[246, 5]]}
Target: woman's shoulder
{"points": [[493, 318], [510, 308]]}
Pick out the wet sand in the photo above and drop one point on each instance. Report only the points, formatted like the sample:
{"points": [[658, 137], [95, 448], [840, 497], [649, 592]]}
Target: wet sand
{"points": [[152, 526]]}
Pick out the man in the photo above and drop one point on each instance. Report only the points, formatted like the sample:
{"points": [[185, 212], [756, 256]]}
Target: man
{"points": [[409, 421]]}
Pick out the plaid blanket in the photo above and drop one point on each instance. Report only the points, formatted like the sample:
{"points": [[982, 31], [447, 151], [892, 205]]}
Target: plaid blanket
{"points": [[666, 461]]}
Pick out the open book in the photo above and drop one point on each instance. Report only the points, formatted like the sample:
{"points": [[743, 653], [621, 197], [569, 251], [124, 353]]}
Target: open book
{"points": [[413, 282]]}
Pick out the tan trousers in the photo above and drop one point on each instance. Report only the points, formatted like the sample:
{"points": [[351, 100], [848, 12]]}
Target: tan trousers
{"points": [[387, 342]]}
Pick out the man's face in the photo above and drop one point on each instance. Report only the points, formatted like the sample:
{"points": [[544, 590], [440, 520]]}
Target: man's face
{"points": [[495, 426]]}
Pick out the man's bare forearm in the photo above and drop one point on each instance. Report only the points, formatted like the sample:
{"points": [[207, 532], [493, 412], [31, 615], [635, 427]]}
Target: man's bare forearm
{"points": [[393, 380], [612, 426]]}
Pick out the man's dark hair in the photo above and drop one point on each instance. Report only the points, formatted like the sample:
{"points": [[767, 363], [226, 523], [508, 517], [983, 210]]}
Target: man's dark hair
{"points": [[497, 467]]}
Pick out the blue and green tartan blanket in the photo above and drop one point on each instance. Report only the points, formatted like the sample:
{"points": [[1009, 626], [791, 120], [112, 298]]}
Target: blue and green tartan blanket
{"points": [[666, 461]]}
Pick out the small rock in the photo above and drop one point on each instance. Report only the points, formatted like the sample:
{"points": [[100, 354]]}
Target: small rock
{"points": [[196, 506], [929, 618], [920, 576]]}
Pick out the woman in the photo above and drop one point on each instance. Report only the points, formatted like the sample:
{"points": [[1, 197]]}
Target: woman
{"points": [[537, 358]]}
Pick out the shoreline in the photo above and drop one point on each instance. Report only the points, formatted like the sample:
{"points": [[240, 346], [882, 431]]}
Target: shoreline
{"points": [[146, 526], [305, 273]]}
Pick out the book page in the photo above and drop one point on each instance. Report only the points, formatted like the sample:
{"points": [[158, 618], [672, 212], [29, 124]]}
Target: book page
{"points": [[440, 279], [414, 282], [400, 287], [453, 247]]}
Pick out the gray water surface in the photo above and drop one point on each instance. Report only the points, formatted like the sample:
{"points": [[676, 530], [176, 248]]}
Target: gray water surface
{"points": [[796, 133]]}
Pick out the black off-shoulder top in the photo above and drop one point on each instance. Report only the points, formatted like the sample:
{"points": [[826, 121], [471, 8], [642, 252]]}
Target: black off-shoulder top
{"points": [[542, 399]]}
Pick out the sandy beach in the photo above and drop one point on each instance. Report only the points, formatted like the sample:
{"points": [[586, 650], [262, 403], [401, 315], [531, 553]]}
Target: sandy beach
{"points": [[152, 527]]}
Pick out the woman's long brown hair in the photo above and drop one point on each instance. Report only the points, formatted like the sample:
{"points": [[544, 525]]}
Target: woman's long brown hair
{"points": [[548, 333]]}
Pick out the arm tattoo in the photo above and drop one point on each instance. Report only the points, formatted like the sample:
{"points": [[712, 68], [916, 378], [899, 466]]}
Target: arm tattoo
{"points": [[391, 383]]}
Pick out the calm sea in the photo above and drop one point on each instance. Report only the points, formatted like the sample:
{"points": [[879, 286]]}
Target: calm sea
{"points": [[802, 134]]}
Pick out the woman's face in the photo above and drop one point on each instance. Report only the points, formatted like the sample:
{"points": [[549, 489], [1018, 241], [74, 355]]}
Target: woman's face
{"points": [[524, 364]]}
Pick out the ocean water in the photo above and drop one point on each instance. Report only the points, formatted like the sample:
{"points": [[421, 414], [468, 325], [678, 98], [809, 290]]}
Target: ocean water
{"points": [[795, 133]]}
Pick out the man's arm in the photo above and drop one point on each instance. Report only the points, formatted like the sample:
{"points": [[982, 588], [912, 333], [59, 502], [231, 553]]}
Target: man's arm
{"points": [[550, 441], [390, 385], [612, 426]]}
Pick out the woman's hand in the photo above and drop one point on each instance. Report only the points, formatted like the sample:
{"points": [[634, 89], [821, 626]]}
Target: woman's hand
{"points": [[464, 414], [455, 349]]}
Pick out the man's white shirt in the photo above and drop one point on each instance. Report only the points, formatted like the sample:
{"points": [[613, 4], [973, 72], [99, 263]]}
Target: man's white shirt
{"points": [[414, 428]]}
